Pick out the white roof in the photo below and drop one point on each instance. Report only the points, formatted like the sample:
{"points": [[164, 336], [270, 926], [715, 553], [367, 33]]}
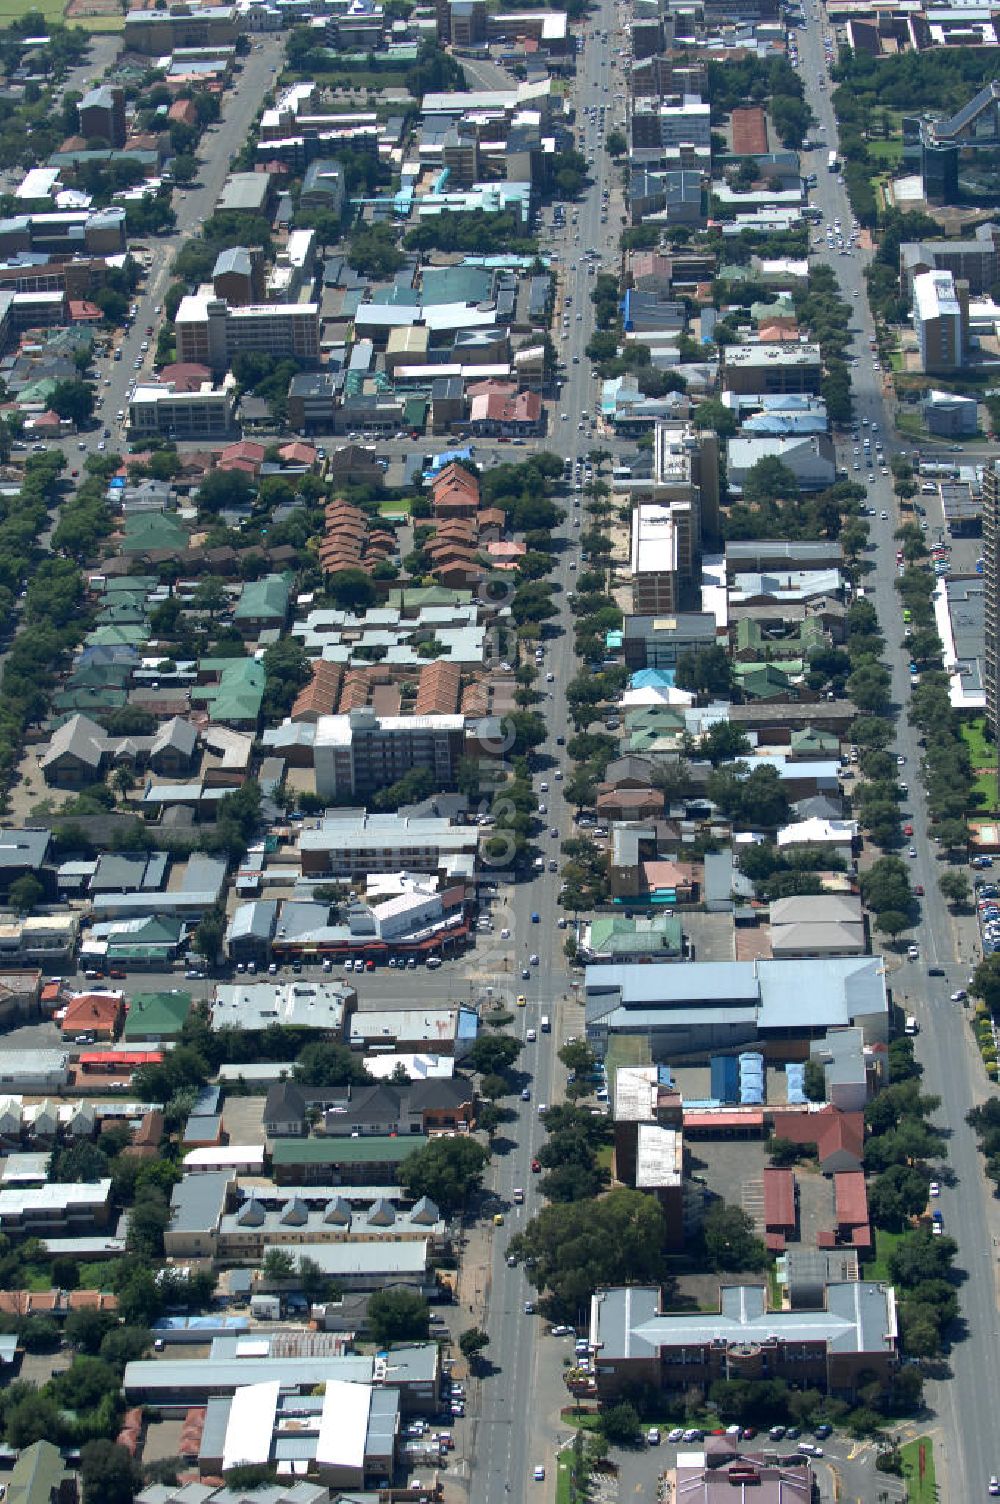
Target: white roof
{"points": [[38, 183], [225, 1157], [934, 296], [250, 1425], [343, 1427], [837, 831], [337, 730], [654, 539]]}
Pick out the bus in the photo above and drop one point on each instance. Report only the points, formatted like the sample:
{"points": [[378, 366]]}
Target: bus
{"points": [[831, 162]]}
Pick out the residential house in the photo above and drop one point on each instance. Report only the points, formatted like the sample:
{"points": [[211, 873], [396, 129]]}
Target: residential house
{"points": [[93, 1016], [40, 1476]]}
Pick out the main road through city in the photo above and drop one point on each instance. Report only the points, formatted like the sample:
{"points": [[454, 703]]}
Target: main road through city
{"points": [[967, 1448], [509, 1435]]}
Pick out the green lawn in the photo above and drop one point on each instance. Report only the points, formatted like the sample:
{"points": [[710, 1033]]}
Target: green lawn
{"points": [[12, 10], [563, 1476], [919, 1490], [399, 508], [885, 1242], [982, 752], [985, 786], [885, 153]]}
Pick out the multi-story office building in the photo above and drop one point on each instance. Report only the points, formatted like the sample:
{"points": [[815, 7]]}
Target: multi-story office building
{"points": [[941, 320], [685, 469], [210, 333], [959, 156], [361, 751], [347, 841], [976, 260], [657, 124], [182, 411], [102, 115], [662, 556], [160, 32], [848, 1341], [765, 369]]}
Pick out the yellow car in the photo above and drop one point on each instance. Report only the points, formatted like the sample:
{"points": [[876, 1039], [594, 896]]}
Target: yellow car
{"points": [[522, 1001], [498, 1219]]}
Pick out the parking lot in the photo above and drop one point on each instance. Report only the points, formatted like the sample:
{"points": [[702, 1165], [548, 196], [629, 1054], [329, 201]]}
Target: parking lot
{"points": [[711, 935]]}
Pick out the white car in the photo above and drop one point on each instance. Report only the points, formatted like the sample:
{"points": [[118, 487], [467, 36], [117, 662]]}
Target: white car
{"points": [[539, 1474], [934, 1188]]}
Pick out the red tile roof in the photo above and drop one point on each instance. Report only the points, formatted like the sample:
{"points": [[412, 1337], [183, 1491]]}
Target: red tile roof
{"points": [[831, 1130], [91, 1010], [183, 110], [186, 376], [438, 690], [850, 1197], [321, 695], [779, 1200]]}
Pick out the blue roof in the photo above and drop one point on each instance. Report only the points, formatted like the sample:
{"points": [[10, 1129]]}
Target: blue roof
{"points": [[653, 678]]}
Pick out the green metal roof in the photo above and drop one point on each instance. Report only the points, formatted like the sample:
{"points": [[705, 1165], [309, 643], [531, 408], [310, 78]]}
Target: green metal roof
{"points": [[368, 1149], [647, 936], [264, 599], [161, 1014], [147, 531]]}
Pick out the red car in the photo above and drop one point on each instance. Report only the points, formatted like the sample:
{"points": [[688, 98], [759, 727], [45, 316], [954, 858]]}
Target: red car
{"points": [[536, 1167], [907, 830], [918, 889]]}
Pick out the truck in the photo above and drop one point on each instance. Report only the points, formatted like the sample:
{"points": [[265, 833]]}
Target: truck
{"points": [[546, 1027], [832, 163]]}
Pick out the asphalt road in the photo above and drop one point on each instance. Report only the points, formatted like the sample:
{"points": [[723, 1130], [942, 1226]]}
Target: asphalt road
{"points": [[192, 206], [968, 1451], [508, 1437]]}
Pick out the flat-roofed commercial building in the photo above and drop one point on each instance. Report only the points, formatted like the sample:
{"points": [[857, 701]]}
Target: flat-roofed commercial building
{"points": [[713, 1005], [345, 1436], [210, 333], [768, 368], [177, 412], [353, 841]]}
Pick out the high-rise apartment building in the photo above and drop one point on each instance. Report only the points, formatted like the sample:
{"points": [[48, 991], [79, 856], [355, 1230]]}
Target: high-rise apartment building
{"points": [[357, 753], [941, 320]]}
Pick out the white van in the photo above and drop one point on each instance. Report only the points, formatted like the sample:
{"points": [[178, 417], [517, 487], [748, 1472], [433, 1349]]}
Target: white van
{"points": [[545, 1026], [911, 1026]]}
